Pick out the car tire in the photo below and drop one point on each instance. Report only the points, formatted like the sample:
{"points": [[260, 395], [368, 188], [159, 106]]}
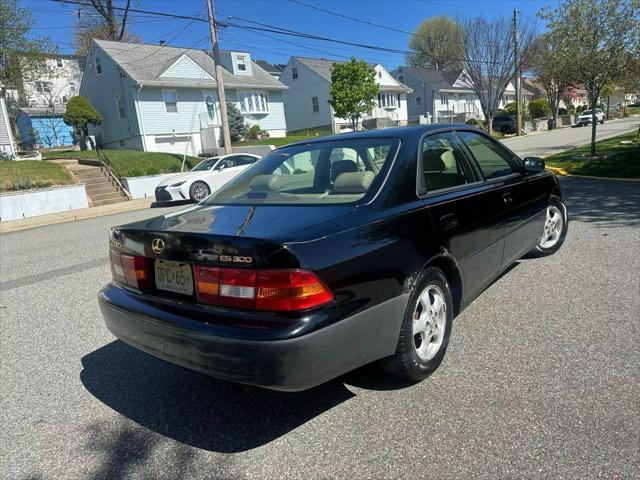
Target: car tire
{"points": [[429, 314], [602, 122], [505, 130], [553, 235], [198, 191]]}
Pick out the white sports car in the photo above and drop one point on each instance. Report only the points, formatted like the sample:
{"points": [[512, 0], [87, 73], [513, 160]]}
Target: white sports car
{"points": [[206, 177]]}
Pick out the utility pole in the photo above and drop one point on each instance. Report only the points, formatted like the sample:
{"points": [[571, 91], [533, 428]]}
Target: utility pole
{"points": [[516, 64], [222, 100]]}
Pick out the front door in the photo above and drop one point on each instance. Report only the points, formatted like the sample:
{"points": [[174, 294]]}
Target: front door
{"points": [[524, 197], [467, 213]]}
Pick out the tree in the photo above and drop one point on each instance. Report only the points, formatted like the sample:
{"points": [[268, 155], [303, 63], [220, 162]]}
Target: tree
{"points": [[437, 43], [237, 126], [84, 34], [20, 53], [80, 114], [489, 59], [552, 70], [353, 90], [596, 37], [115, 23], [630, 81]]}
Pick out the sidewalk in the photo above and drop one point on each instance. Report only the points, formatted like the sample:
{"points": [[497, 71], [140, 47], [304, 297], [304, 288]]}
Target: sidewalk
{"points": [[73, 215]]}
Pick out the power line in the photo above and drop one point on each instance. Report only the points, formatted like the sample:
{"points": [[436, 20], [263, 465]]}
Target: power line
{"points": [[136, 10], [351, 18]]}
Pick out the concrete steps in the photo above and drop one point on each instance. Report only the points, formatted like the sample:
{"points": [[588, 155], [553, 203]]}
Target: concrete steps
{"points": [[99, 188]]}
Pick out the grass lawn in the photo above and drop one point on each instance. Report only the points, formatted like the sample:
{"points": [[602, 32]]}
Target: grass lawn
{"points": [[623, 160], [278, 142], [132, 163], [27, 174]]}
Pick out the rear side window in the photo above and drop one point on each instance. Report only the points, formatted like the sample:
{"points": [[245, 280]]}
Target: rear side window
{"points": [[443, 163], [493, 159], [337, 171]]}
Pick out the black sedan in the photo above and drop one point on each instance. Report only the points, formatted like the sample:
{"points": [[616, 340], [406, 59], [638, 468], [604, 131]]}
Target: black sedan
{"points": [[329, 254]]}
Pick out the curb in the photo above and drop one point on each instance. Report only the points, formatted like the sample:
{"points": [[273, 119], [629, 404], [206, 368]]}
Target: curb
{"points": [[563, 172], [74, 215], [557, 171]]}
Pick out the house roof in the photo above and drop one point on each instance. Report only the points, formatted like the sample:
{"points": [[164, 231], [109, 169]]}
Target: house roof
{"points": [[438, 79], [322, 67], [270, 67], [43, 111], [145, 63]]}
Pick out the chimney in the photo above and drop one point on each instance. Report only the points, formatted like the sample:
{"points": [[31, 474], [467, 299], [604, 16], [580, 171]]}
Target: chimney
{"points": [[163, 43]]}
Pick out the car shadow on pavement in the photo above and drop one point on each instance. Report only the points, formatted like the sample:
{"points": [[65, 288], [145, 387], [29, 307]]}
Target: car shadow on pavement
{"points": [[195, 409], [608, 203]]}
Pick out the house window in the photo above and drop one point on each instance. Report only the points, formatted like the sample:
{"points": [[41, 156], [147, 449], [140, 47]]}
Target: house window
{"points": [[120, 105], [470, 100], [59, 62], [388, 100], [401, 78], [170, 98], [315, 104], [211, 107], [43, 87], [253, 102], [241, 64], [418, 101], [379, 74], [294, 72], [65, 99], [444, 98], [72, 87], [96, 60]]}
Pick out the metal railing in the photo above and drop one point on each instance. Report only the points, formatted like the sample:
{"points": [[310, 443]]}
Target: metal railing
{"points": [[107, 167]]}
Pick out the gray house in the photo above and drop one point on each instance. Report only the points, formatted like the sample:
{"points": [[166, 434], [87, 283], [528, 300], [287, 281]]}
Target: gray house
{"points": [[163, 99], [307, 99]]}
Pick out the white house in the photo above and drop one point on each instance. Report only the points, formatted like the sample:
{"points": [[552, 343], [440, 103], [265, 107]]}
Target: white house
{"points": [[307, 99], [445, 96], [163, 99], [53, 81], [7, 146]]}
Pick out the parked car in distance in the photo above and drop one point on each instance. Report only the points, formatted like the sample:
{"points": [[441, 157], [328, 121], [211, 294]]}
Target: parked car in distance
{"points": [[504, 124], [332, 253], [206, 177], [585, 117]]}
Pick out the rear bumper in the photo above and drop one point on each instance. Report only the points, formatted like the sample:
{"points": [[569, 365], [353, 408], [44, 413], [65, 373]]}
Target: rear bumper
{"points": [[291, 364]]}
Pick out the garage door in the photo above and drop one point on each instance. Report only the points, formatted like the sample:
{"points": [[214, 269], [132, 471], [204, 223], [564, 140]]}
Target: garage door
{"points": [[178, 145]]}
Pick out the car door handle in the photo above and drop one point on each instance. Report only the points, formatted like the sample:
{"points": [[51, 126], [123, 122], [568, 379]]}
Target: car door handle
{"points": [[508, 198], [449, 221]]}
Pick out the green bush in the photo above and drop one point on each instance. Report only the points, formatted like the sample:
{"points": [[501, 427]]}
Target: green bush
{"points": [[563, 111], [539, 108], [254, 132], [79, 113], [510, 108], [237, 127]]}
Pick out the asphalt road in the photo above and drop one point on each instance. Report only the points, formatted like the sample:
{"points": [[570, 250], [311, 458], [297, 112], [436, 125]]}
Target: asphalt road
{"points": [[541, 380], [548, 143]]}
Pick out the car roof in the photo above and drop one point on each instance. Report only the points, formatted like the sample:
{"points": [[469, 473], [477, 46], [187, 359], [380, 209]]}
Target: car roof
{"points": [[394, 132]]}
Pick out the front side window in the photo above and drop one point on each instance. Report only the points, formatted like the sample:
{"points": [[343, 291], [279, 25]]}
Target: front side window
{"points": [[444, 164], [315, 105], [245, 160], [205, 165], [120, 105], [492, 158], [335, 171], [170, 98], [253, 102], [388, 100]]}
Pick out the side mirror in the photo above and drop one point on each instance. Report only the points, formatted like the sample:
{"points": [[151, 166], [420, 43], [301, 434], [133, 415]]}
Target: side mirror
{"points": [[533, 164], [220, 167]]}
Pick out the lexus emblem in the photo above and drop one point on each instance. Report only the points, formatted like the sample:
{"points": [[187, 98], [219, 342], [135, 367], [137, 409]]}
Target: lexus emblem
{"points": [[157, 245]]}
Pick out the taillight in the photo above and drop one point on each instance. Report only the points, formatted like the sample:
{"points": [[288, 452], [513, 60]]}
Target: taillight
{"points": [[270, 290], [237, 287], [286, 290], [132, 270]]}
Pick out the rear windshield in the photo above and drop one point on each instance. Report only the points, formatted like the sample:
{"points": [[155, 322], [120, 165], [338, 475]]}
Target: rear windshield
{"points": [[336, 171]]}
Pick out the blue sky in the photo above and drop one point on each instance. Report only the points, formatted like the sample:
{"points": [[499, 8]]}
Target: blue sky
{"points": [[57, 21]]}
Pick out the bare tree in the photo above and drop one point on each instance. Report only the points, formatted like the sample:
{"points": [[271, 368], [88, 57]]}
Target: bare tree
{"points": [[490, 58], [115, 23], [84, 34], [103, 20], [598, 37], [552, 70]]}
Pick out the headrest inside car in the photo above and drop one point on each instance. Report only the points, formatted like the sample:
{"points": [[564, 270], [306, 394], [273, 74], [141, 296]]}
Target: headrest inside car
{"points": [[266, 183], [342, 166], [432, 159], [353, 182]]}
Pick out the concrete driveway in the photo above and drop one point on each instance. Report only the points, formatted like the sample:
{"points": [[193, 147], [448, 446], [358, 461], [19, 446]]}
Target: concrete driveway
{"points": [[541, 380], [548, 143]]}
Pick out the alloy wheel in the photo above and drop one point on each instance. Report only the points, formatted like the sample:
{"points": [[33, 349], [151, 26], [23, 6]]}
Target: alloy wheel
{"points": [[429, 322], [553, 226]]}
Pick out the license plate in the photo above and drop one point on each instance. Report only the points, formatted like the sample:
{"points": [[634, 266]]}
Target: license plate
{"points": [[174, 277]]}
